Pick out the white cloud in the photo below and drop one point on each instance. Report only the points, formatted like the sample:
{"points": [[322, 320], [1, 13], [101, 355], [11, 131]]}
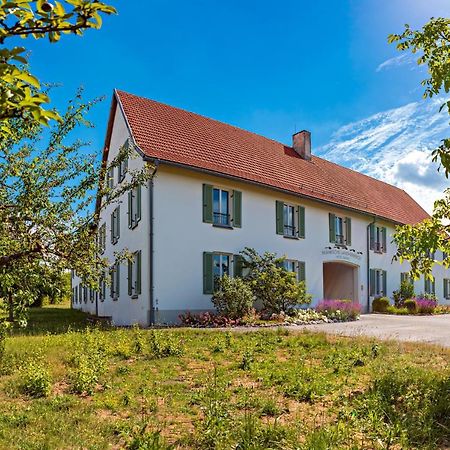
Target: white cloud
{"points": [[395, 146], [397, 61]]}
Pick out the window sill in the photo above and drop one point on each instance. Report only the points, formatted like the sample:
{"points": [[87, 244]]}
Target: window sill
{"points": [[290, 237], [218, 225], [135, 296]]}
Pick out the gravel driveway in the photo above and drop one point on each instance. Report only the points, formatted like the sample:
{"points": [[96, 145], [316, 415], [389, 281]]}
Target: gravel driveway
{"points": [[428, 329]]}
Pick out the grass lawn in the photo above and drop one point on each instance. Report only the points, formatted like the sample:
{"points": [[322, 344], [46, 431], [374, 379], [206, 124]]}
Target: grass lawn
{"points": [[205, 389]]}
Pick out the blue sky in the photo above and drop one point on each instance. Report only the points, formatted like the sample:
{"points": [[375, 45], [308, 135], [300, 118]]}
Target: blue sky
{"points": [[272, 68]]}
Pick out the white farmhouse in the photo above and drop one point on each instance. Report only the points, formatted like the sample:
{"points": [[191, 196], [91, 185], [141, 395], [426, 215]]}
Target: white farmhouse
{"points": [[217, 189]]}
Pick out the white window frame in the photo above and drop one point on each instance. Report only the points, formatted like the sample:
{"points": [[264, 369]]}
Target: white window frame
{"points": [[218, 215], [230, 265], [340, 223], [290, 212], [293, 263]]}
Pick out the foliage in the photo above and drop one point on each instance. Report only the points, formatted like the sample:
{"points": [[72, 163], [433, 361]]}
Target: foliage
{"points": [[411, 305], [341, 310], [233, 297], [207, 319], [277, 289], [163, 345], [36, 380], [416, 243], [21, 94], [425, 305], [298, 391], [380, 304], [391, 309], [47, 220], [406, 291]]}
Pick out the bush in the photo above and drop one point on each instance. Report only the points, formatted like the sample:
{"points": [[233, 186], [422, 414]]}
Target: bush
{"points": [[233, 298], [339, 309], [277, 289], [207, 319], [380, 304], [398, 311], [36, 380], [405, 292], [426, 305], [164, 345], [410, 305]]}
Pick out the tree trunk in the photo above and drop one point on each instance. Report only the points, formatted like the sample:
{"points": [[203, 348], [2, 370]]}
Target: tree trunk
{"points": [[10, 307]]}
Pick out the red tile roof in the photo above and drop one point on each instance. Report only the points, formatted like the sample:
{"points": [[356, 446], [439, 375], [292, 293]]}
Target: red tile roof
{"points": [[178, 136]]}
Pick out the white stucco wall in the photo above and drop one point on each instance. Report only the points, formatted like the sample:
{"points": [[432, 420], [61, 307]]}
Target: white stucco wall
{"points": [[181, 237]]}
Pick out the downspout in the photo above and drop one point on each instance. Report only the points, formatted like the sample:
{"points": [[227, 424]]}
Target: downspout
{"points": [[368, 262], [151, 316]]}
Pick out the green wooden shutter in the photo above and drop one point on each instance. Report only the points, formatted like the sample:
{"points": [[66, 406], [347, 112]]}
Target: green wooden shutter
{"points": [[112, 282], [207, 203], [433, 286], [445, 288], [112, 226], [348, 231], [372, 282], [383, 239], [237, 209], [384, 283], [130, 209], [372, 236], [138, 272], [279, 209], [238, 265], [118, 223], [130, 277], [117, 279], [403, 277], [139, 203], [208, 278], [332, 226], [301, 271], [301, 222]]}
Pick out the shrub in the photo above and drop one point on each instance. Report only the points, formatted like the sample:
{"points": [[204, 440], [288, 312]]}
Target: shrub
{"points": [[339, 309], [277, 289], [36, 380], [164, 346], [426, 305], [380, 304], [411, 305], [398, 311], [207, 319], [233, 298], [405, 292]]}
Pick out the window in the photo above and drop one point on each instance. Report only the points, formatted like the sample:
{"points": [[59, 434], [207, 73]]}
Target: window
{"points": [[216, 265], [290, 220], [110, 180], [222, 207], [430, 286], [406, 278], [340, 229], [134, 275], [134, 207], [85, 294], [298, 267], [115, 281], [123, 165], [102, 239], [102, 289], [91, 295], [446, 288], [377, 238], [378, 282], [115, 225]]}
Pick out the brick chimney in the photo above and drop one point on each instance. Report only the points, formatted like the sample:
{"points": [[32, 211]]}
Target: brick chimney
{"points": [[301, 142]]}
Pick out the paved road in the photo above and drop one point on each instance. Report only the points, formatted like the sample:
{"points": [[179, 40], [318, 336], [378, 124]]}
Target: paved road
{"points": [[428, 329]]}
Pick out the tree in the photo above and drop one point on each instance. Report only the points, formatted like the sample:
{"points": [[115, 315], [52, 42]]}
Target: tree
{"points": [[277, 289], [418, 243], [21, 95], [48, 188]]}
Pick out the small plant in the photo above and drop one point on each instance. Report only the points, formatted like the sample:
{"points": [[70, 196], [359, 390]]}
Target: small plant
{"points": [[233, 297], [397, 311], [411, 305], [142, 439], [207, 319], [380, 304], [341, 310], [426, 305], [247, 360], [36, 380], [164, 345], [405, 292]]}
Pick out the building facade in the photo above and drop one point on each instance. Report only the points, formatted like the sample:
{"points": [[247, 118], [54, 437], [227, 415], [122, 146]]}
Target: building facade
{"points": [[217, 189]]}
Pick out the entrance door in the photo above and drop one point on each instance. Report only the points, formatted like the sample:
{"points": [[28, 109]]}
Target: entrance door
{"points": [[340, 281]]}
